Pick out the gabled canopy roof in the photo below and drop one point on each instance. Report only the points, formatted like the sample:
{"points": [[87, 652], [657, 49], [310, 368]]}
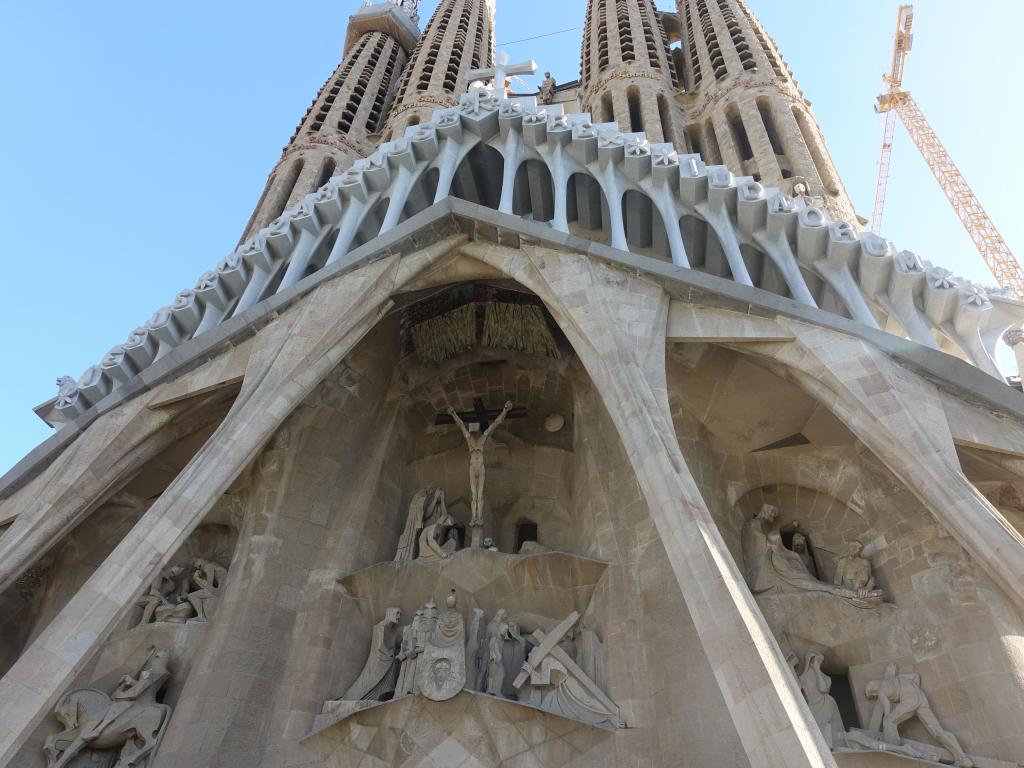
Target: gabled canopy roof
{"points": [[646, 201]]}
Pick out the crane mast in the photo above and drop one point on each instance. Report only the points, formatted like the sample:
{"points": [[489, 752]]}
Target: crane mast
{"points": [[895, 101]]}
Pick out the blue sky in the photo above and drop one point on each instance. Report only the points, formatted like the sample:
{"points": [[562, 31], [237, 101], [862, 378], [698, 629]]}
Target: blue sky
{"points": [[136, 138]]}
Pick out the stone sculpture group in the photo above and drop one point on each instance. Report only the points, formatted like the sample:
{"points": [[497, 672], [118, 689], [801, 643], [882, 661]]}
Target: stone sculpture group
{"points": [[558, 671], [897, 699], [130, 718], [771, 568], [182, 595], [438, 654]]}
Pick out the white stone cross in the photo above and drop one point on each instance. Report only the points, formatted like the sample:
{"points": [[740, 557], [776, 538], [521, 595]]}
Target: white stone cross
{"points": [[501, 71]]}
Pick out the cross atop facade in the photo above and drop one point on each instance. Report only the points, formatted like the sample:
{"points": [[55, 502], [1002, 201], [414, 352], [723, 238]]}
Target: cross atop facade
{"points": [[501, 71], [481, 415]]}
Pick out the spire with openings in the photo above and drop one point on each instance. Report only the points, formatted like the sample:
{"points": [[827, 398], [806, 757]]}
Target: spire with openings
{"points": [[458, 38], [345, 120], [744, 109], [627, 74]]}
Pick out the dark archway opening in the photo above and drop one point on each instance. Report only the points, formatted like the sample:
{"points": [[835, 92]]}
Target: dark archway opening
{"points": [[645, 229], [478, 178], [525, 531], [421, 196], [587, 208], [533, 195]]}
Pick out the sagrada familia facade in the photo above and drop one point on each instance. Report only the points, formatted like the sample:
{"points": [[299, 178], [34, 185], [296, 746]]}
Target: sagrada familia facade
{"points": [[579, 428]]}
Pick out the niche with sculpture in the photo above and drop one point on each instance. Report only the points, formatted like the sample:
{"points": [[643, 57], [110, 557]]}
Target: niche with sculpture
{"points": [[483, 596], [115, 714], [548, 664], [822, 594], [117, 726], [490, 385], [187, 589]]}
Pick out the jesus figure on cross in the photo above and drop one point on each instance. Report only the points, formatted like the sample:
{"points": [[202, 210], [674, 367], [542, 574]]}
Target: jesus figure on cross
{"points": [[476, 440]]}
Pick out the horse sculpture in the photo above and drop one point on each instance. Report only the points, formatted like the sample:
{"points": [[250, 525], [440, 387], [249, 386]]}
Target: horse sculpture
{"points": [[130, 718]]}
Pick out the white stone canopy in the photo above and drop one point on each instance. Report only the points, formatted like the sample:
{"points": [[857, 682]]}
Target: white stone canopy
{"points": [[593, 180]]}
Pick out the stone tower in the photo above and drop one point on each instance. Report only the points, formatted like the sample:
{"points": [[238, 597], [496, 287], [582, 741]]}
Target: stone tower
{"points": [[744, 108], [349, 111], [458, 38], [754, 481], [627, 75]]}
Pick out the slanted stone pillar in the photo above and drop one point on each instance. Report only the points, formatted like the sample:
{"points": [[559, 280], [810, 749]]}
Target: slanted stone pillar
{"points": [[105, 457], [267, 692], [290, 358], [899, 416], [616, 323]]}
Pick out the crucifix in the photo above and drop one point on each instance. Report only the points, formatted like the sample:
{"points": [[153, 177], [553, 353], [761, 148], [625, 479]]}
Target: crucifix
{"points": [[476, 426], [501, 72]]}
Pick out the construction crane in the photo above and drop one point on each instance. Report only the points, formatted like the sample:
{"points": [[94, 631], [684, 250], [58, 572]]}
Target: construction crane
{"points": [[895, 101]]}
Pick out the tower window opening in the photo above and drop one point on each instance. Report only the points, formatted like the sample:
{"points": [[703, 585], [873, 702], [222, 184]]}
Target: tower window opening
{"points": [[607, 108], [714, 151], [385, 91], [765, 108], [602, 37], [636, 119], [691, 45], [478, 44], [650, 39], [665, 115], [821, 162], [695, 141], [585, 45], [326, 171], [739, 41], [762, 40], [676, 60], [711, 41], [287, 187], [739, 133], [451, 79], [625, 31]]}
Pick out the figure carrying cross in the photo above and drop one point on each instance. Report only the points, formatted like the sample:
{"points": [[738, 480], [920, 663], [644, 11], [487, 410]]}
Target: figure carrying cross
{"points": [[501, 72], [479, 419]]}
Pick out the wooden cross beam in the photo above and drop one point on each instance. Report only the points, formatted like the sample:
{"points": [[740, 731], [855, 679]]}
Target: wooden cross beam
{"points": [[481, 415]]}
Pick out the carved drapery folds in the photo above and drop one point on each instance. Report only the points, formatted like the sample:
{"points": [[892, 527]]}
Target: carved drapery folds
{"points": [[772, 569], [437, 656]]}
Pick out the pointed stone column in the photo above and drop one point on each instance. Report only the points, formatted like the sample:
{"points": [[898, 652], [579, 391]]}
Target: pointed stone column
{"points": [[291, 357], [616, 323]]}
